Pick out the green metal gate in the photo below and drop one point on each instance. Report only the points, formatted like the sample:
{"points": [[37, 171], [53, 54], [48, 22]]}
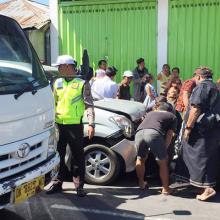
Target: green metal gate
{"points": [[194, 35], [119, 31]]}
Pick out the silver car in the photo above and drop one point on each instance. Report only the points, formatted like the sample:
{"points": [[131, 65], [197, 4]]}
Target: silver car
{"points": [[112, 149]]}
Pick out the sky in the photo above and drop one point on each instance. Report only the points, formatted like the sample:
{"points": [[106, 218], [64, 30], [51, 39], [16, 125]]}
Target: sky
{"points": [[40, 1]]}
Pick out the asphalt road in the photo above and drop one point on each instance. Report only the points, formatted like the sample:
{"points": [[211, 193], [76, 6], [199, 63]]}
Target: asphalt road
{"points": [[123, 201]]}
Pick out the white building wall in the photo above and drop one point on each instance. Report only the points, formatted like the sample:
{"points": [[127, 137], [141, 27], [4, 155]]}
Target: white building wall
{"points": [[162, 37], [53, 5]]}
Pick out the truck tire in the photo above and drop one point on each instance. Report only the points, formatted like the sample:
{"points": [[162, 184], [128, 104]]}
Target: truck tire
{"points": [[102, 165]]}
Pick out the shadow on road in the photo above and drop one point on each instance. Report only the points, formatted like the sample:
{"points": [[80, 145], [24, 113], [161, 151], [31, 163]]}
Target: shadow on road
{"points": [[104, 203], [98, 204], [130, 180], [190, 192], [9, 215]]}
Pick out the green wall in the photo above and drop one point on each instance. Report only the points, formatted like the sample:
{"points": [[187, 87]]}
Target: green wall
{"points": [[194, 35], [123, 30], [119, 31]]}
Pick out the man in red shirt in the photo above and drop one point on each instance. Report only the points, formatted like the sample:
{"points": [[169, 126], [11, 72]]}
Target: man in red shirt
{"points": [[185, 93]]}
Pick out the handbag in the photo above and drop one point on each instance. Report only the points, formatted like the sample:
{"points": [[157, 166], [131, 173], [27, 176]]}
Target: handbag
{"points": [[207, 121], [178, 146]]}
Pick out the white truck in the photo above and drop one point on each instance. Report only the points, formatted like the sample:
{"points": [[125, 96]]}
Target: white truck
{"points": [[28, 157]]}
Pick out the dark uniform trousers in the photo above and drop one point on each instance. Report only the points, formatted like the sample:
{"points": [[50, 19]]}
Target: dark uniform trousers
{"points": [[72, 135]]}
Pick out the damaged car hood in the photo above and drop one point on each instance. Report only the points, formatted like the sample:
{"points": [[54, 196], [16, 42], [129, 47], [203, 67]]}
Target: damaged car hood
{"points": [[135, 110]]}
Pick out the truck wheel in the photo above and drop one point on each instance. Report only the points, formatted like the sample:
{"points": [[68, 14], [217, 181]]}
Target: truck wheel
{"points": [[102, 165]]}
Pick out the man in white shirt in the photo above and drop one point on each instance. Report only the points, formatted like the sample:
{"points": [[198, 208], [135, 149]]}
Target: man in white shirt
{"points": [[100, 74], [105, 87]]}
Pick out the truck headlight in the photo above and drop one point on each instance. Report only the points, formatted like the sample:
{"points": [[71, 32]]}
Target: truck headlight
{"points": [[124, 123], [52, 143]]}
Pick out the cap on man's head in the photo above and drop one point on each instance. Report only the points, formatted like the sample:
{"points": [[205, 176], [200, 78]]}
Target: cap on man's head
{"points": [[111, 71], [65, 59], [128, 74], [204, 71], [140, 60]]}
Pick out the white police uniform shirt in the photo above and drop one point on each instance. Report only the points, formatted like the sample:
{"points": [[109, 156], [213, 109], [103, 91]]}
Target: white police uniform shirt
{"points": [[104, 88]]}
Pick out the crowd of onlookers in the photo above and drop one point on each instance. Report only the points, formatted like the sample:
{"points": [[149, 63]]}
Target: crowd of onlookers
{"points": [[171, 85], [189, 110]]}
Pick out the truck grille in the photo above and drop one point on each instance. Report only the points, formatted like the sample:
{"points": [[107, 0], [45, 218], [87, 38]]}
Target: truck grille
{"points": [[19, 165], [11, 164], [9, 156]]}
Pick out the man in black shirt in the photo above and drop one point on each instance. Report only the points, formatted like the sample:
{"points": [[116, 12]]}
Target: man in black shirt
{"points": [[201, 135], [155, 133], [139, 77]]}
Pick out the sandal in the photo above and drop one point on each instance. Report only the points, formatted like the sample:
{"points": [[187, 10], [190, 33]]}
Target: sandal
{"points": [[206, 195], [167, 193]]}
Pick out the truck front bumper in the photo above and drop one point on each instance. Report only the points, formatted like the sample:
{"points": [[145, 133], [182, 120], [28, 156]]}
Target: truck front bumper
{"points": [[49, 168]]}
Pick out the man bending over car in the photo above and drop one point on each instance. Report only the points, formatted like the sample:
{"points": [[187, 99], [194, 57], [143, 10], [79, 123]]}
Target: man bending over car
{"points": [[155, 134]]}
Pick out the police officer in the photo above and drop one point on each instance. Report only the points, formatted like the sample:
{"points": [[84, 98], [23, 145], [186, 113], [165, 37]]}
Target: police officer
{"points": [[72, 97]]}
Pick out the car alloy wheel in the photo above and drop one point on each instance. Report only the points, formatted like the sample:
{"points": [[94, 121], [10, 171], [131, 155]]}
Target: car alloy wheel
{"points": [[101, 163], [98, 164]]}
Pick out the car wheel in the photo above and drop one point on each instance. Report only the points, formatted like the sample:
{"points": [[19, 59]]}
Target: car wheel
{"points": [[102, 165]]}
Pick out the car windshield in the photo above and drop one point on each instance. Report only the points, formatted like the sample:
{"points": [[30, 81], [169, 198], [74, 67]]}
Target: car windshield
{"points": [[19, 64]]}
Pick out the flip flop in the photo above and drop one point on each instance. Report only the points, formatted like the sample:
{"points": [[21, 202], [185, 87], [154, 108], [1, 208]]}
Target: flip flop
{"points": [[206, 196], [167, 193]]}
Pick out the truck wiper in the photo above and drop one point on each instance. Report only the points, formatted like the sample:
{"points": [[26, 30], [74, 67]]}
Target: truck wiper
{"points": [[27, 88]]}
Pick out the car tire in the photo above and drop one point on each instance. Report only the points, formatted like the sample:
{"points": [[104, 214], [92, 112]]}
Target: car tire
{"points": [[102, 165]]}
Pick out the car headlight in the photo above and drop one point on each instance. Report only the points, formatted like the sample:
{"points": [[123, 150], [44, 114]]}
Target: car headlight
{"points": [[52, 142], [124, 123]]}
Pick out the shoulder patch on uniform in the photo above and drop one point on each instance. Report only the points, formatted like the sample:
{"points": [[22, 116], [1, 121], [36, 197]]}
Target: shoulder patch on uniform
{"points": [[75, 85]]}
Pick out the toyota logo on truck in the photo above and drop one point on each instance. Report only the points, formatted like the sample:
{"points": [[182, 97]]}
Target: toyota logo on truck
{"points": [[23, 150]]}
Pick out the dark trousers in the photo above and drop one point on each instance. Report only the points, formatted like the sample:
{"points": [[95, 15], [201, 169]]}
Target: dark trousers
{"points": [[72, 135]]}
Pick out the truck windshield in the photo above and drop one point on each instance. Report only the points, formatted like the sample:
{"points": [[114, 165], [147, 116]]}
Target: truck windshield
{"points": [[19, 64]]}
